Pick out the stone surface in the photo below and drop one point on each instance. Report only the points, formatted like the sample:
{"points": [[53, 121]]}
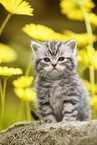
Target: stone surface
{"points": [[39, 133]]}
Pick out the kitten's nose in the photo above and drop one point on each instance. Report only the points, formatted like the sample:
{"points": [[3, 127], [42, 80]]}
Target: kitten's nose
{"points": [[54, 65]]}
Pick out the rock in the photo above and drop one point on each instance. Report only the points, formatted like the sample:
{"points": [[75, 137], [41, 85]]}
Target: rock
{"points": [[40, 133]]}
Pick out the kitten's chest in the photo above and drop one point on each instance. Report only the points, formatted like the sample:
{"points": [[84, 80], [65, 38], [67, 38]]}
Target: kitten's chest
{"points": [[55, 96], [55, 90], [60, 91], [55, 99]]}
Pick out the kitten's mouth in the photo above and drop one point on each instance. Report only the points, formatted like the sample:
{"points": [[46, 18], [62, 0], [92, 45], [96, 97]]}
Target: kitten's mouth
{"points": [[54, 70]]}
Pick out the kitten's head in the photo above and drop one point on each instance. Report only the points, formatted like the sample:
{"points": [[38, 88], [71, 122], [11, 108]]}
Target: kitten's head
{"points": [[54, 59]]}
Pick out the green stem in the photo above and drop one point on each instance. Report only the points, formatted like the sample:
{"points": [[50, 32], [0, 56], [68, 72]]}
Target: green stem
{"points": [[20, 110], [28, 110], [92, 80], [0, 104], [0, 88], [27, 74], [28, 67], [3, 100], [5, 22], [90, 34], [88, 27]]}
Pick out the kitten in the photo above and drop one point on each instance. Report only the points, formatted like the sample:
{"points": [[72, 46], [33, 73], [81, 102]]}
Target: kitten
{"points": [[61, 94]]}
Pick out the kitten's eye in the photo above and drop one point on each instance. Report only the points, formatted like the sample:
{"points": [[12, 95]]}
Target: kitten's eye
{"points": [[61, 58], [46, 59]]}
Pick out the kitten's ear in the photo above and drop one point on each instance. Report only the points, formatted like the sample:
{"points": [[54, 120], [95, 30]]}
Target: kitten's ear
{"points": [[35, 46], [72, 44]]}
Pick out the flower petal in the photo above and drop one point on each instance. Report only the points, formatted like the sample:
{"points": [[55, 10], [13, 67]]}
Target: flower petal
{"points": [[81, 38], [5, 71], [7, 54], [72, 8], [17, 7], [25, 94], [93, 18], [42, 33], [94, 102], [23, 82]]}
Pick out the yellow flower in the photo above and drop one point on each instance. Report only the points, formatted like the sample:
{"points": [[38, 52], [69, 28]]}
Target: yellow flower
{"points": [[1, 57], [42, 33], [72, 8], [93, 18], [94, 102], [25, 94], [82, 38], [58, 36], [5, 71], [6, 53], [88, 85], [39, 32], [88, 57], [92, 53], [83, 57], [93, 59], [17, 7], [23, 82]]}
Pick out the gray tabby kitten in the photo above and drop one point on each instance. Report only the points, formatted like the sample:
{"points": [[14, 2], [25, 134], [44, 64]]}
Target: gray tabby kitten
{"points": [[61, 94]]}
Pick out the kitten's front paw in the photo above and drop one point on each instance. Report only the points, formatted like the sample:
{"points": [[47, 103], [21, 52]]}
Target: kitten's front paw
{"points": [[69, 119], [50, 121]]}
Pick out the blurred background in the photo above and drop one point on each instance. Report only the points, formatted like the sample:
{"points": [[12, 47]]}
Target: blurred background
{"points": [[46, 12]]}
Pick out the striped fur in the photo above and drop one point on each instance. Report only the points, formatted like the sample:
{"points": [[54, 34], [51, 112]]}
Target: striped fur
{"points": [[61, 94]]}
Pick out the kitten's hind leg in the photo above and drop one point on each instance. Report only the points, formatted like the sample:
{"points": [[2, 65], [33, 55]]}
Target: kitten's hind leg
{"points": [[70, 117]]}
